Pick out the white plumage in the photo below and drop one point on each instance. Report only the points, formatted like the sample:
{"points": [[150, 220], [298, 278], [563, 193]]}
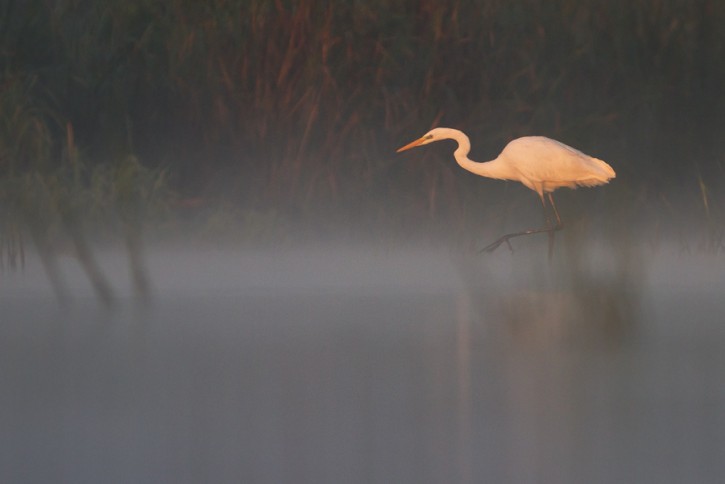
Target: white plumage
{"points": [[542, 164]]}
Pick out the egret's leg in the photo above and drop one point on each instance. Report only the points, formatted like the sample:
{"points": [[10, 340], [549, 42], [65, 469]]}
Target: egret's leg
{"points": [[548, 228], [554, 228], [550, 253], [559, 225]]}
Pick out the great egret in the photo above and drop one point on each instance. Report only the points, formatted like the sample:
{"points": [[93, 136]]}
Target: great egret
{"points": [[542, 164]]}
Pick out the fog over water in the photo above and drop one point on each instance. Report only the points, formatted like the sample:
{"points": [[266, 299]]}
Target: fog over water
{"points": [[369, 364], [233, 274]]}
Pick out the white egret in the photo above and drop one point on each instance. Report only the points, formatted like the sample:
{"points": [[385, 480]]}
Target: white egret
{"points": [[542, 164]]}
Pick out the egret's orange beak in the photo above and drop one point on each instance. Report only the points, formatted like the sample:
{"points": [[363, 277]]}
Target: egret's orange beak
{"points": [[415, 143]]}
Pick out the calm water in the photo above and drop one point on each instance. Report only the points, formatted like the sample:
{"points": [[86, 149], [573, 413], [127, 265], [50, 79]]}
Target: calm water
{"points": [[370, 365]]}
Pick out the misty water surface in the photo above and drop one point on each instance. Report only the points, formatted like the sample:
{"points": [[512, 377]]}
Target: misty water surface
{"points": [[369, 365]]}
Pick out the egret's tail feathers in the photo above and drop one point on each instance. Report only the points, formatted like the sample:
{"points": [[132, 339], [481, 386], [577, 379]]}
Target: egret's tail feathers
{"points": [[608, 170], [599, 173]]}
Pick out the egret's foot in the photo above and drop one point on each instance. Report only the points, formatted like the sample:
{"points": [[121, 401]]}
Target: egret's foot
{"points": [[550, 230], [491, 247]]}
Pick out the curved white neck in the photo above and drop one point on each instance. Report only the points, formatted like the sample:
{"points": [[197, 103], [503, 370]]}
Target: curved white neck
{"points": [[489, 169]]}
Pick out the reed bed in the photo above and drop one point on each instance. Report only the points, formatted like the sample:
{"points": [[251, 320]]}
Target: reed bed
{"points": [[295, 108]]}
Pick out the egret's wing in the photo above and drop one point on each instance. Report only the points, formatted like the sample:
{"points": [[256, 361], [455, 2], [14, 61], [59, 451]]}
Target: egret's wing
{"points": [[553, 164]]}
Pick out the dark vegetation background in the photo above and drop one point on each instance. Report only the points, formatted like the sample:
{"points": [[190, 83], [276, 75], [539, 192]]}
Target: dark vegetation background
{"points": [[264, 116]]}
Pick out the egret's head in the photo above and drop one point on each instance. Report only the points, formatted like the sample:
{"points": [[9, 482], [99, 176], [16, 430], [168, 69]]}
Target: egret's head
{"points": [[435, 134]]}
